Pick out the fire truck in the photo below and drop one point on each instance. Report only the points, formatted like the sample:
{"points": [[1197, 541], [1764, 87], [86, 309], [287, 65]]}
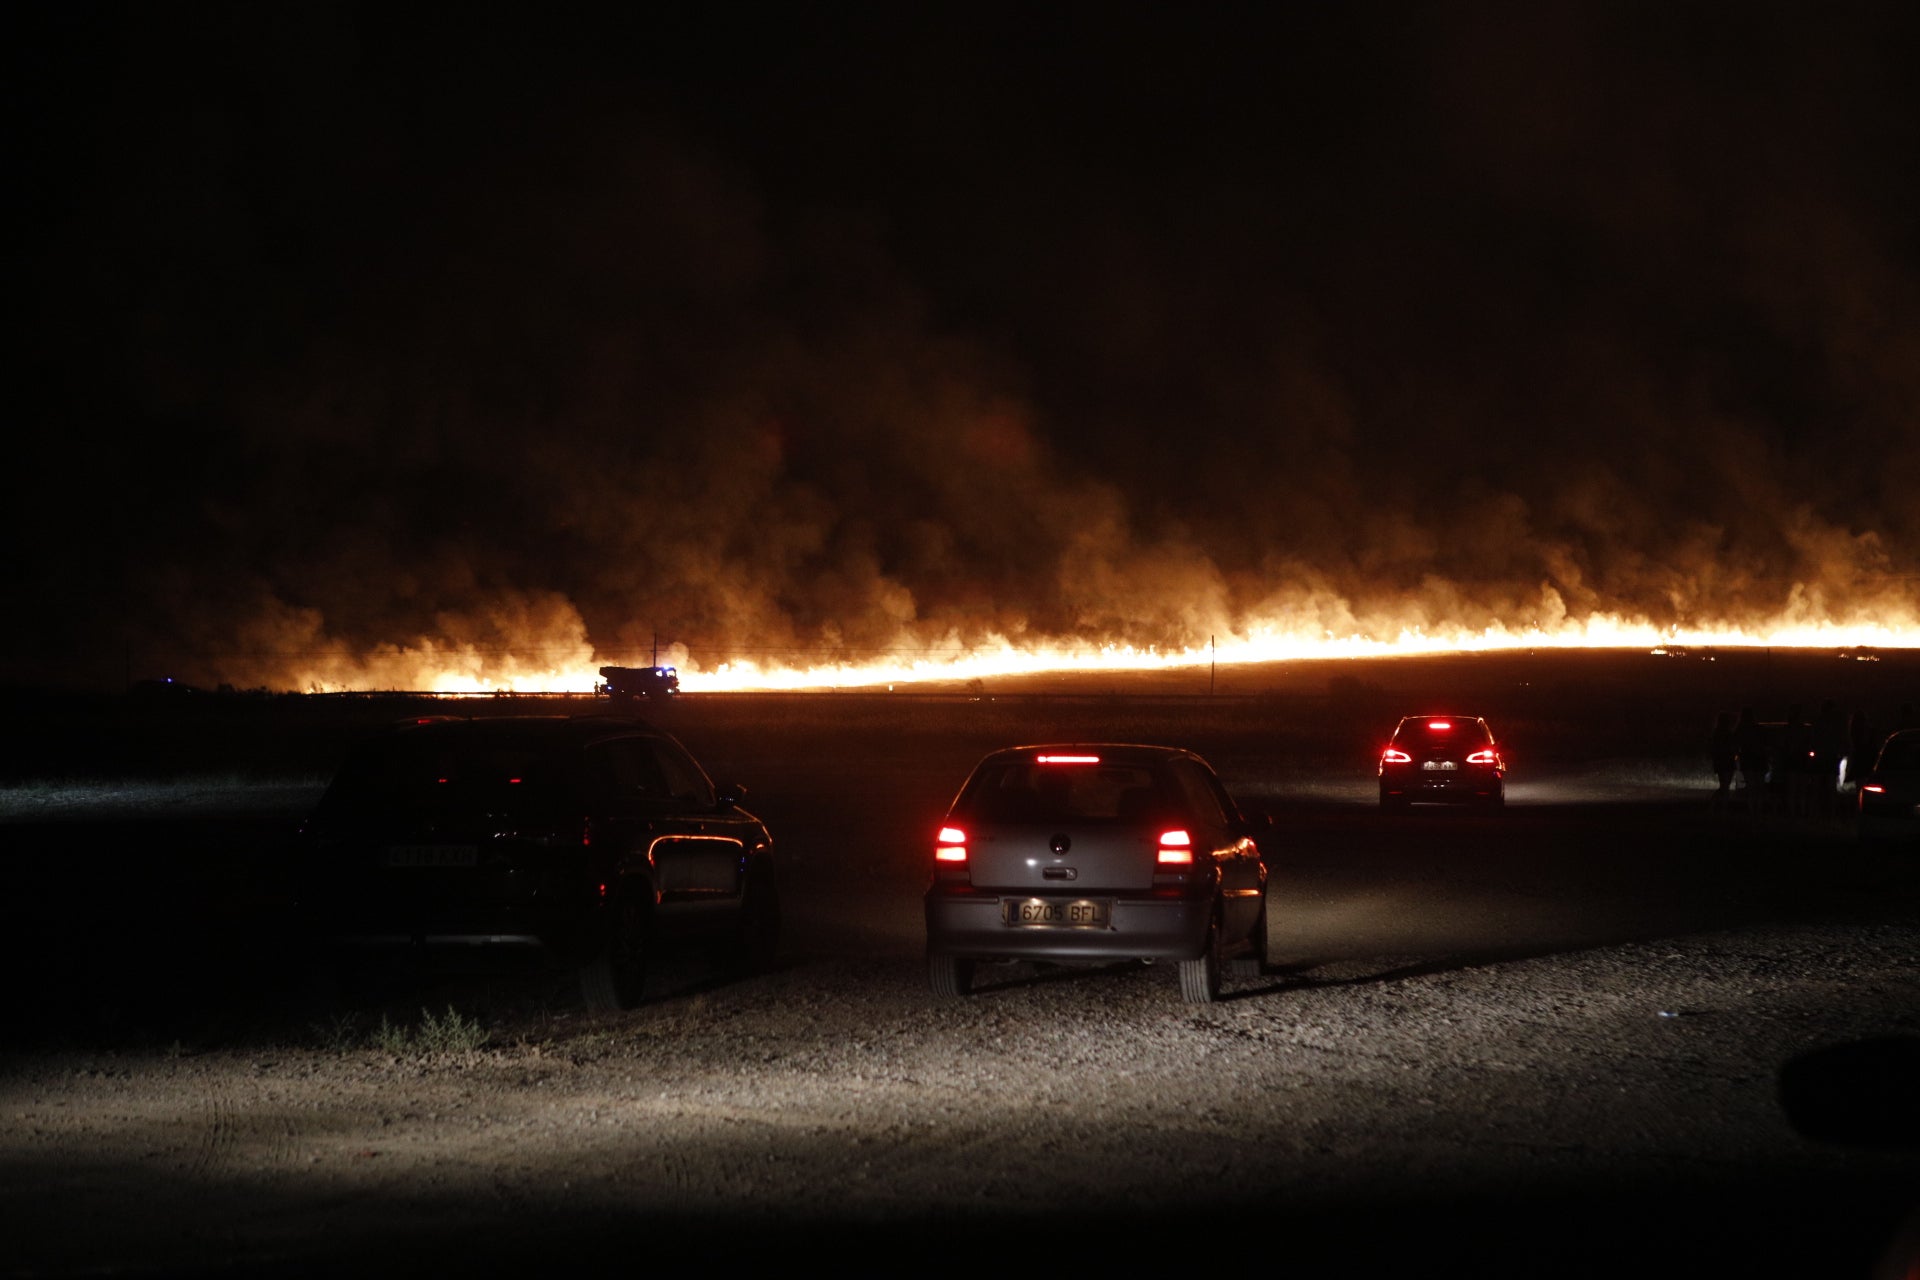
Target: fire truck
{"points": [[627, 685]]}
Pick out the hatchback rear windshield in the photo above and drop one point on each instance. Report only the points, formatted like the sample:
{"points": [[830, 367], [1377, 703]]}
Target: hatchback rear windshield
{"points": [[1027, 791]]}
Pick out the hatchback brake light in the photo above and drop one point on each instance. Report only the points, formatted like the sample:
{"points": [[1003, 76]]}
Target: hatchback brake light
{"points": [[1393, 755], [950, 845], [1483, 757], [1176, 846], [1439, 726], [1067, 759]]}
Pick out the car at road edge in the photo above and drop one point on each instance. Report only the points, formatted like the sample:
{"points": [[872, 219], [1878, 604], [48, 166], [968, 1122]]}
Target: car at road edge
{"points": [[593, 839], [1442, 759], [1888, 800]]}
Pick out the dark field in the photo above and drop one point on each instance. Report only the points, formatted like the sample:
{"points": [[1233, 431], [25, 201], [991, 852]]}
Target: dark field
{"points": [[1610, 1030]]}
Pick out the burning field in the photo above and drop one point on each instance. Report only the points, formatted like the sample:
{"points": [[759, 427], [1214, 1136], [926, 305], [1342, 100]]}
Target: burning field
{"points": [[384, 357]]}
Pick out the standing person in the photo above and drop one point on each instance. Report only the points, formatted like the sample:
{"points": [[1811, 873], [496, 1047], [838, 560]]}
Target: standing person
{"points": [[1792, 764], [1861, 747], [1724, 747], [1828, 760], [1750, 740]]}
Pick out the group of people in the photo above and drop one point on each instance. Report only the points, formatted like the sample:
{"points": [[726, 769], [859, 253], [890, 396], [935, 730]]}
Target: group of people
{"points": [[1800, 768]]}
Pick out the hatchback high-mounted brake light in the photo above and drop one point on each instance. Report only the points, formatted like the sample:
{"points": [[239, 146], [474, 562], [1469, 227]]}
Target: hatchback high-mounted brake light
{"points": [[1439, 726], [1067, 759]]}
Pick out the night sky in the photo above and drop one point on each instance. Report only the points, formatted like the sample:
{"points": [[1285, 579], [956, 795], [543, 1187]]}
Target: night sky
{"points": [[818, 332]]}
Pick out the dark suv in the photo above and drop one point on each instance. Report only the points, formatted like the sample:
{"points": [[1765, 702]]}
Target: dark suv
{"points": [[594, 838], [1442, 759]]}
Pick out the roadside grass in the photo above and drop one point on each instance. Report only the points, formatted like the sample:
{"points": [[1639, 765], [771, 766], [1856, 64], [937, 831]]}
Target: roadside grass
{"points": [[204, 794], [435, 1036]]}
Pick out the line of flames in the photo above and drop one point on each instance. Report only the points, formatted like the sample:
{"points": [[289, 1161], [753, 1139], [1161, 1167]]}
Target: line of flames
{"points": [[1002, 658]]}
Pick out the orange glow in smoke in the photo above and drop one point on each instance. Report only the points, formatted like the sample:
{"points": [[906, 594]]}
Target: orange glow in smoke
{"points": [[440, 671]]}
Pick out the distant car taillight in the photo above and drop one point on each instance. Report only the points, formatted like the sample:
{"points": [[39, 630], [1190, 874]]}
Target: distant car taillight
{"points": [[1176, 848], [1875, 788]]}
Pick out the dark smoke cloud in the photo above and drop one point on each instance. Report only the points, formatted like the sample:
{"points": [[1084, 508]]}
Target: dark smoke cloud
{"points": [[367, 346]]}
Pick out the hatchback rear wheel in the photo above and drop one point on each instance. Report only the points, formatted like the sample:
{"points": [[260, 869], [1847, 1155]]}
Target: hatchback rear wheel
{"points": [[1270, 930], [1200, 977], [949, 975]]}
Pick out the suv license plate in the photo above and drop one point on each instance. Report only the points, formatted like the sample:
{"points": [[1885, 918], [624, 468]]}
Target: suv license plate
{"points": [[1056, 913], [432, 855]]}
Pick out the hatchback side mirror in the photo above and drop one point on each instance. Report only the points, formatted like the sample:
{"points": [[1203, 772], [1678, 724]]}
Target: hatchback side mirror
{"points": [[730, 796]]}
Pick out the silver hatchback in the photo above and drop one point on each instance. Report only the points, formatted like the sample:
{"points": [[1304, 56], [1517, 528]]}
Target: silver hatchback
{"points": [[1094, 852]]}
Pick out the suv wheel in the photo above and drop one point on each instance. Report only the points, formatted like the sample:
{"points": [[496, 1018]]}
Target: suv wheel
{"points": [[759, 936], [615, 978]]}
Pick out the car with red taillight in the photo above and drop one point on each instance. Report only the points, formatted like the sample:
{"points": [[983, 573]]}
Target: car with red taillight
{"points": [[1092, 853], [1888, 800], [594, 840], [1442, 759]]}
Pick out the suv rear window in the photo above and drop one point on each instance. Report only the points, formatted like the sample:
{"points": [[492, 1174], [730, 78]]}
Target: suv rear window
{"points": [[414, 774], [1443, 729], [1026, 791]]}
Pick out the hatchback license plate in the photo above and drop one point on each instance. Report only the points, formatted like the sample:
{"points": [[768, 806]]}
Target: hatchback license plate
{"points": [[1056, 913], [1439, 764]]}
